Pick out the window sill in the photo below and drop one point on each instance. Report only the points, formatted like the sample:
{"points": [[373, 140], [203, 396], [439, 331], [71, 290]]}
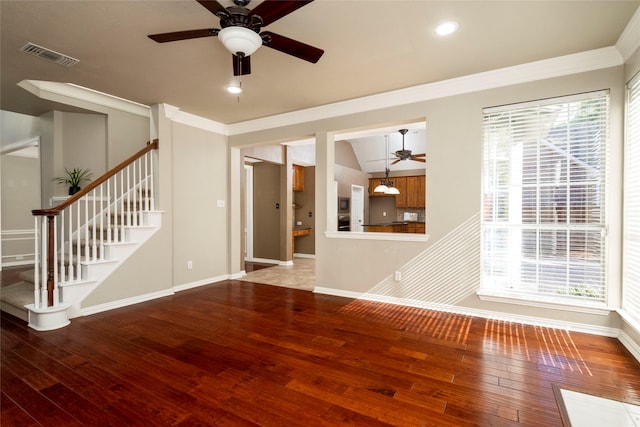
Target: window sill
{"points": [[593, 308], [399, 237]]}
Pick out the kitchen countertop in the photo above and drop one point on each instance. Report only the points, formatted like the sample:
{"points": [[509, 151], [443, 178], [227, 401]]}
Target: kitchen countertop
{"points": [[385, 224], [300, 231]]}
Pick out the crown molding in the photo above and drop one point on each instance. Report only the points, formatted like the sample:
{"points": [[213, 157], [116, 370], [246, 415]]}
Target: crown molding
{"points": [[539, 70], [70, 94], [176, 115], [629, 40], [20, 145]]}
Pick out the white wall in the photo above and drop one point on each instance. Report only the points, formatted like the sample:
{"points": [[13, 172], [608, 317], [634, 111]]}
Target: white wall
{"points": [[20, 194], [19, 188], [193, 178], [453, 199]]}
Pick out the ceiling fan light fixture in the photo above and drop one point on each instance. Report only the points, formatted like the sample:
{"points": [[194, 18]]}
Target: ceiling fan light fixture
{"points": [[240, 40], [446, 28], [234, 87]]}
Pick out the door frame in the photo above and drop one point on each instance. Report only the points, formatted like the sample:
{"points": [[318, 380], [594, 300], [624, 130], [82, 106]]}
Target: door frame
{"points": [[355, 189]]}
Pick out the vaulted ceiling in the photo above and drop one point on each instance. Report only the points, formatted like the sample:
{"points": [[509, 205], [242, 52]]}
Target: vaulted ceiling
{"points": [[370, 47]]}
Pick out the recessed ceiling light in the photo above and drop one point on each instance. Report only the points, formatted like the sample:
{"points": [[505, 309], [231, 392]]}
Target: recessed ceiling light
{"points": [[446, 28]]}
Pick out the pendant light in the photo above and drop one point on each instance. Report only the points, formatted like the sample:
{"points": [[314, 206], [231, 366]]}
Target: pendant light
{"points": [[386, 185]]}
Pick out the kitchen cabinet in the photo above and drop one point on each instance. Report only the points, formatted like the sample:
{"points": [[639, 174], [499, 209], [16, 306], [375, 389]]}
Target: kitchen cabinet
{"points": [[416, 227], [412, 192], [386, 228], [422, 188], [298, 178], [396, 227], [400, 182]]}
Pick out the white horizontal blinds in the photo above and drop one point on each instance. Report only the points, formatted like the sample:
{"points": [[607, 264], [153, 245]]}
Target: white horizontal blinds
{"points": [[631, 252], [544, 181]]}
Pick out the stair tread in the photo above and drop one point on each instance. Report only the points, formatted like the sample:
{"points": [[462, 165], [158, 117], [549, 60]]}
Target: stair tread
{"points": [[18, 295], [27, 276]]}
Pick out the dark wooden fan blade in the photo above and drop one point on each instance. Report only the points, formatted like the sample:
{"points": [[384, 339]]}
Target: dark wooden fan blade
{"points": [[395, 161], [416, 159], [214, 7], [241, 65], [272, 10], [184, 35], [420, 155], [291, 47]]}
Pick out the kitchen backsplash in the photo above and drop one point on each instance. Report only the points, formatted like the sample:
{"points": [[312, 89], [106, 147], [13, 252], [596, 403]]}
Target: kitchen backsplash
{"points": [[408, 214]]}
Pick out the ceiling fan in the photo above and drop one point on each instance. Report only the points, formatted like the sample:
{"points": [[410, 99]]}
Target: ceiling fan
{"points": [[241, 31], [406, 154]]}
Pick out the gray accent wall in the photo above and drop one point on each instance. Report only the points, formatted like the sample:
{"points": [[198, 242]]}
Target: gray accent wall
{"points": [[266, 216]]}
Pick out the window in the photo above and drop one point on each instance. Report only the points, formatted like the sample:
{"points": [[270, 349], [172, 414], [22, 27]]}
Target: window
{"points": [[544, 181], [631, 240]]}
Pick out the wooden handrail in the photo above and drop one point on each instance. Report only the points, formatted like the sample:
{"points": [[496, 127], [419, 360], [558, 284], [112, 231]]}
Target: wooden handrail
{"points": [[51, 213], [93, 184]]}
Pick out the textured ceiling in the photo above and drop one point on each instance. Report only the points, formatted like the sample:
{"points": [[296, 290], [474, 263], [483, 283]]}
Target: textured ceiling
{"points": [[370, 47]]}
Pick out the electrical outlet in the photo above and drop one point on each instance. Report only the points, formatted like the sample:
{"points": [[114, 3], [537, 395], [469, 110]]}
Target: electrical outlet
{"points": [[384, 214], [189, 265]]}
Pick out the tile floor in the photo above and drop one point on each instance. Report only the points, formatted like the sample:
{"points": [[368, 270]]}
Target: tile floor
{"points": [[585, 410], [300, 275]]}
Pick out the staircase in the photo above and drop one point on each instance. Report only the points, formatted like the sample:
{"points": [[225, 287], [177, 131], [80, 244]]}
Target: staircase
{"points": [[82, 241]]}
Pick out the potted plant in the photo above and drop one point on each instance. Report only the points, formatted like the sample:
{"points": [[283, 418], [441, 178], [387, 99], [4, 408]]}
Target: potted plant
{"points": [[73, 178]]}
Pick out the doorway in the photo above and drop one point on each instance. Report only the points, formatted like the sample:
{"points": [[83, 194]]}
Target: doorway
{"points": [[357, 208]]}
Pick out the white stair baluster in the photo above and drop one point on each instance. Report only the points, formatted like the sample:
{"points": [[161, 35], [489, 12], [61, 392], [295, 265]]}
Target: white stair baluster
{"points": [[37, 261], [71, 273], [108, 225], [151, 178], [63, 270], [101, 214], [43, 264], [92, 196], [56, 295], [123, 215]]}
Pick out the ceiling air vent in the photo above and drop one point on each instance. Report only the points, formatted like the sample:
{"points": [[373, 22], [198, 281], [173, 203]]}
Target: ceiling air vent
{"points": [[49, 55]]}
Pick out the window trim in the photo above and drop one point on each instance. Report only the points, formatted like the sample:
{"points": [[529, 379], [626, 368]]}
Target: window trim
{"points": [[600, 306], [626, 311]]}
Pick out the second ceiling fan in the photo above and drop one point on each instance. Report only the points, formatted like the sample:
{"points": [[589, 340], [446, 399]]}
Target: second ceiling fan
{"points": [[406, 154], [241, 31]]}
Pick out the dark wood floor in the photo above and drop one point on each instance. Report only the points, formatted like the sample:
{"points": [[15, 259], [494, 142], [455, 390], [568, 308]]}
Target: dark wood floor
{"points": [[239, 353]]}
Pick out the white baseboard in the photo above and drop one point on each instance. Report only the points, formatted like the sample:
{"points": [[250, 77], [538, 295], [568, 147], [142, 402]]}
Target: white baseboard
{"points": [[125, 302], [198, 283], [263, 260], [237, 275], [631, 345], [310, 256], [486, 314], [337, 292]]}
